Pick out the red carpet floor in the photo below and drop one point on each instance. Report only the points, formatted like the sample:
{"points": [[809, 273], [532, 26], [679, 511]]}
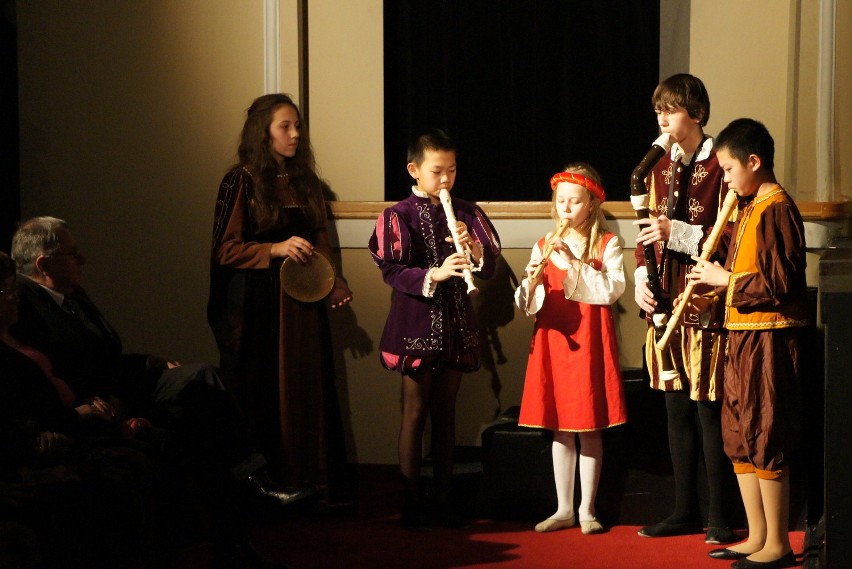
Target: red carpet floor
{"points": [[371, 537], [380, 542]]}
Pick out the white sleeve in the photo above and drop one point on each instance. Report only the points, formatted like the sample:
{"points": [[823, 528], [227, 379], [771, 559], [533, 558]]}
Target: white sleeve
{"points": [[530, 303], [598, 287], [684, 238]]}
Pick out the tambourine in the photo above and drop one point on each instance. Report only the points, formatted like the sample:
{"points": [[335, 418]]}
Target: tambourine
{"points": [[310, 282]]}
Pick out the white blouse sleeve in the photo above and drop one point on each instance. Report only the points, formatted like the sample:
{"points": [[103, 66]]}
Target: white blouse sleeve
{"points": [[598, 287], [525, 299]]}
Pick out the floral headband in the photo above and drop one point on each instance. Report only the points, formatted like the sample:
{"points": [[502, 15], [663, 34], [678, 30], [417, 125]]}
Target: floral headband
{"points": [[579, 179]]}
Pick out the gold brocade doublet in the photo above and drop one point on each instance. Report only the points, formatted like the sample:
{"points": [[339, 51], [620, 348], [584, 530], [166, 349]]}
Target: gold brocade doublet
{"points": [[791, 311]]}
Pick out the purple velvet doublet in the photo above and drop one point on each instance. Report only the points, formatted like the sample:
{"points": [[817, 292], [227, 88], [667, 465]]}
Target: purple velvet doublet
{"points": [[441, 329]]}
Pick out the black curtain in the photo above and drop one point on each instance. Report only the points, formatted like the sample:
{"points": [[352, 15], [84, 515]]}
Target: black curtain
{"points": [[524, 87]]}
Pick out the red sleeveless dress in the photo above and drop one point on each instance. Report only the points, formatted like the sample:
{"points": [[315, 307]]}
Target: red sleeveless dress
{"points": [[573, 380]]}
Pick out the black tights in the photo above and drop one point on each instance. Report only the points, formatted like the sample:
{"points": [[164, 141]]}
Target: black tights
{"points": [[430, 395], [696, 426]]}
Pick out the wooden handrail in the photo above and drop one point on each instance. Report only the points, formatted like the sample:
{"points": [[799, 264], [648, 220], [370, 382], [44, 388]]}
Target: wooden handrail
{"points": [[810, 210]]}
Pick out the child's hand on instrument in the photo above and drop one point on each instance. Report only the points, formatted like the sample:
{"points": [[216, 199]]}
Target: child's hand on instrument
{"points": [[562, 248], [644, 297], [705, 272], [453, 266], [653, 230], [466, 241], [530, 270]]}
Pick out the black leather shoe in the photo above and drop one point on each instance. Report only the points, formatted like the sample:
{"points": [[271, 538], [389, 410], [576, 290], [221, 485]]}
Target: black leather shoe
{"points": [[721, 535], [788, 560], [665, 529], [727, 554], [261, 483]]}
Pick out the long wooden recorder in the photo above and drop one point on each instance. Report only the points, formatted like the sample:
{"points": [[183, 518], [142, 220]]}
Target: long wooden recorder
{"points": [[563, 226], [707, 249]]}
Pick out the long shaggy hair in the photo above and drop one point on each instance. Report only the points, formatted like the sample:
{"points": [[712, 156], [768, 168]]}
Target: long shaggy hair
{"points": [[255, 154]]}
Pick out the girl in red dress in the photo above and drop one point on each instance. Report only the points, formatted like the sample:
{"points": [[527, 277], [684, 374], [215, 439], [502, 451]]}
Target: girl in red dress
{"points": [[573, 383]]}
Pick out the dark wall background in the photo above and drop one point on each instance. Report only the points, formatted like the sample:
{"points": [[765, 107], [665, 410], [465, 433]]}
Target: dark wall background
{"points": [[10, 183], [525, 87]]}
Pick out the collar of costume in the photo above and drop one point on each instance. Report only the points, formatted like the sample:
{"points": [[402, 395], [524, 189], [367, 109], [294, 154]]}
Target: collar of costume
{"points": [[579, 179], [701, 153], [418, 192]]}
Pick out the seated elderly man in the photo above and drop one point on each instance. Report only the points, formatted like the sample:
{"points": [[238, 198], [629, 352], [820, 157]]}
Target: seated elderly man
{"points": [[202, 423]]}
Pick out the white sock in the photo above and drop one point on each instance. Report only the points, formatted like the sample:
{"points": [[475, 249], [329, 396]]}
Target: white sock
{"points": [[591, 456], [564, 451]]}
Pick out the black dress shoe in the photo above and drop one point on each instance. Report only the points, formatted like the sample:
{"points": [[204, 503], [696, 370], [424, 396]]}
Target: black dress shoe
{"points": [[788, 560], [262, 484], [665, 529], [727, 554]]}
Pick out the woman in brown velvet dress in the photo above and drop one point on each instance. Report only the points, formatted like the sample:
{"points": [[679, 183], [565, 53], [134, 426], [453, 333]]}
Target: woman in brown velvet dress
{"points": [[276, 351]]}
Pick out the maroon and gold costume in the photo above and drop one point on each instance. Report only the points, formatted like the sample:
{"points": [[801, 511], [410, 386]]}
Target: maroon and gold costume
{"points": [[699, 191], [765, 313]]}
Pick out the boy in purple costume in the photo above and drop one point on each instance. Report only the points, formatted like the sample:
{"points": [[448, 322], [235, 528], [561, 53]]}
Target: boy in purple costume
{"points": [[431, 336]]}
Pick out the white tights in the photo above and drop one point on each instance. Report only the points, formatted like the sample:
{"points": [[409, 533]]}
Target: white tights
{"points": [[564, 450]]}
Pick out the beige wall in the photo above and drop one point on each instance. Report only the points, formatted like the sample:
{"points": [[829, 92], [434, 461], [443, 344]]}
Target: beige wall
{"points": [[759, 59], [130, 115], [347, 96]]}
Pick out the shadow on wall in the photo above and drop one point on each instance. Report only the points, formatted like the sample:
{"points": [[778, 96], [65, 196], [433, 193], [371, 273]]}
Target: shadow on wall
{"points": [[346, 335], [498, 295]]}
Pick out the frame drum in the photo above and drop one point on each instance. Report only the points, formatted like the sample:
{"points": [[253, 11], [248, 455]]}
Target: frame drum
{"points": [[310, 282]]}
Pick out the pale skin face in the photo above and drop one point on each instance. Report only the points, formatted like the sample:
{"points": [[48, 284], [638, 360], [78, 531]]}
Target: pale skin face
{"points": [[437, 172], [685, 129], [284, 132], [574, 203]]}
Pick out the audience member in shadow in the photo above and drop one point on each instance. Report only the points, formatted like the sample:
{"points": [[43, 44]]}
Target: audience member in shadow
{"points": [[204, 439], [88, 500], [276, 351]]}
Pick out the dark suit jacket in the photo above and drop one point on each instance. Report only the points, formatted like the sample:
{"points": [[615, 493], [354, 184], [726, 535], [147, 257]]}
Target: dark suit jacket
{"points": [[86, 353]]}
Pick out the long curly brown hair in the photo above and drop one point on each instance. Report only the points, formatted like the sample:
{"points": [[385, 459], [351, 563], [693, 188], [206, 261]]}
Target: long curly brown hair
{"points": [[255, 154]]}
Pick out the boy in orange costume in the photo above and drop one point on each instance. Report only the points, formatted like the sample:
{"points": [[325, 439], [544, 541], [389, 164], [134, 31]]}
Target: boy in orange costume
{"points": [[765, 315]]}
